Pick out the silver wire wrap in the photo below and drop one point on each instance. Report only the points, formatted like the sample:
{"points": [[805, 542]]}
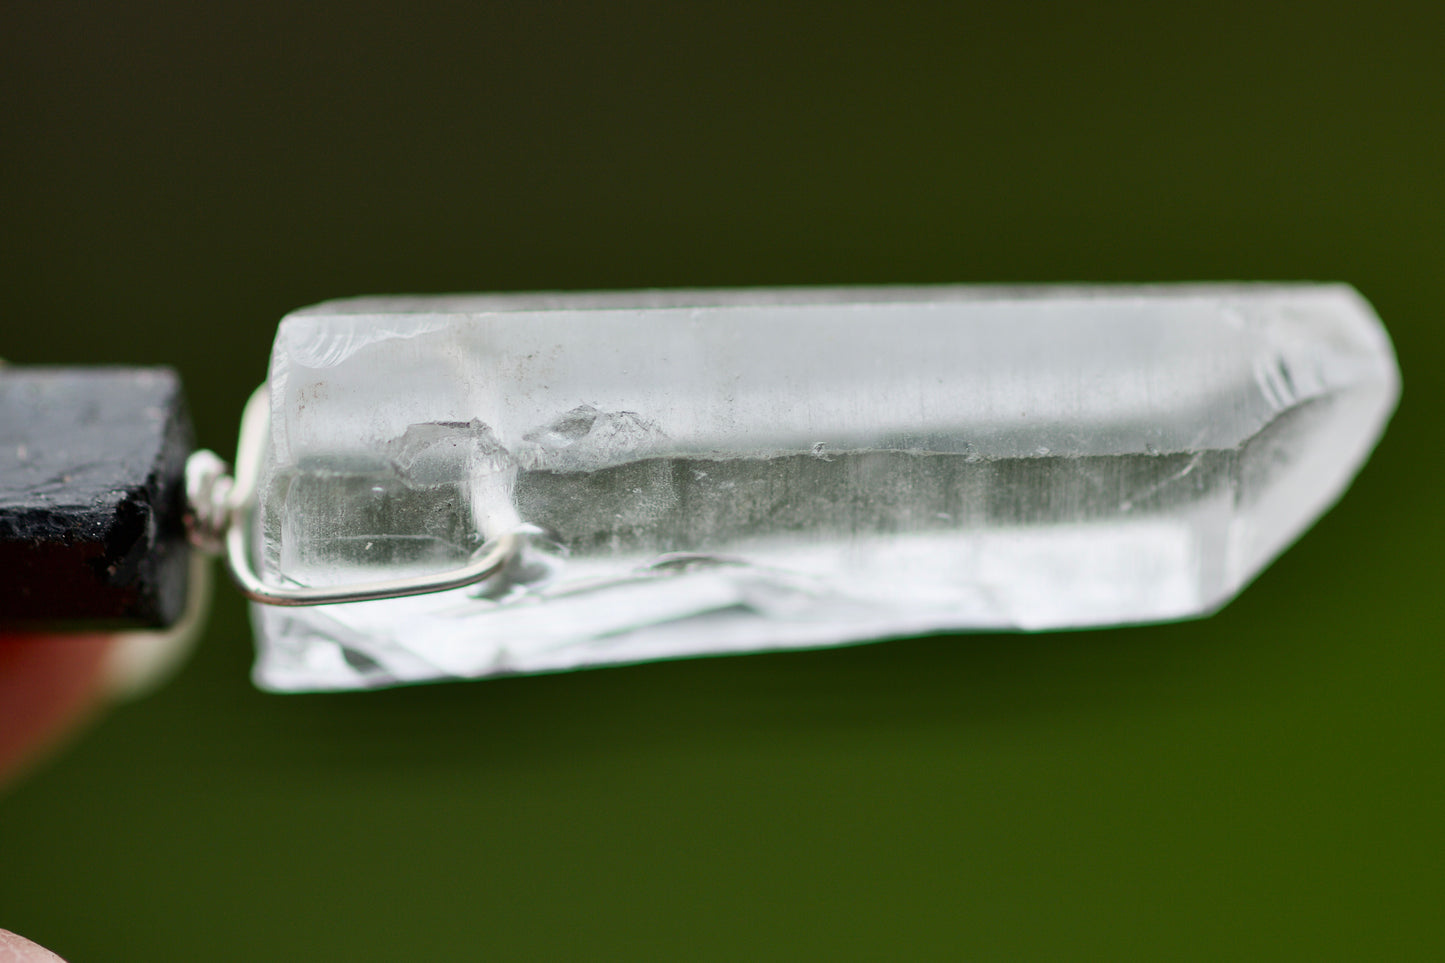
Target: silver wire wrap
{"points": [[221, 509]]}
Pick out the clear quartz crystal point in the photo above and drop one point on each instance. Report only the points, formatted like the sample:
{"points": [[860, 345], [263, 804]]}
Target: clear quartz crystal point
{"points": [[695, 472]]}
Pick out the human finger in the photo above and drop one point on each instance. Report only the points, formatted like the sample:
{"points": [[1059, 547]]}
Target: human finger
{"points": [[48, 685], [17, 949]]}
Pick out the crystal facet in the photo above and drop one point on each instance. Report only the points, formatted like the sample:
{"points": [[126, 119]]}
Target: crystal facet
{"points": [[700, 472]]}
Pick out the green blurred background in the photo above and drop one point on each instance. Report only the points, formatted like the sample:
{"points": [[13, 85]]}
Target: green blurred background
{"points": [[1265, 784]]}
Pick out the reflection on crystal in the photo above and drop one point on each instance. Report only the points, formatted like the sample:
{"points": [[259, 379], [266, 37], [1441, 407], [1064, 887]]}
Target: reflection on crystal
{"points": [[708, 472]]}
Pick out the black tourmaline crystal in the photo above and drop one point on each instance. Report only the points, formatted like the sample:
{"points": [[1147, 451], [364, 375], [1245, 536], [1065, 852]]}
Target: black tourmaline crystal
{"points": [[92, 497]]}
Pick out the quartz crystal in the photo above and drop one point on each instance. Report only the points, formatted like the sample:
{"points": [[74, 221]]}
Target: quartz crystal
{"points": [[695, 472]]}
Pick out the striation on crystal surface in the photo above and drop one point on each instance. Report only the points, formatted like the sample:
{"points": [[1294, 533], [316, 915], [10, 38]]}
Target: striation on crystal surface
{"points": [[698, 472]]}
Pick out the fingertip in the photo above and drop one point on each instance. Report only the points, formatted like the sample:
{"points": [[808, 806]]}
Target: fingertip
{"points": [[48, 684], [17, 949]]}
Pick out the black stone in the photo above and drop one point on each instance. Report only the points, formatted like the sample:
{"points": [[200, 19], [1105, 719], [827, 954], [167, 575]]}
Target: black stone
{"points": [[92, 497]]}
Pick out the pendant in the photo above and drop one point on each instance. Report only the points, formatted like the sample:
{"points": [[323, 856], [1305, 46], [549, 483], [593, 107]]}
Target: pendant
{"points": [[458, 487]]}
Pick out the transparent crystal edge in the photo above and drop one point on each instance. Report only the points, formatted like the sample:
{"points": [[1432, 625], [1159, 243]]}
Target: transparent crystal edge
{"points": [[669, 298]]}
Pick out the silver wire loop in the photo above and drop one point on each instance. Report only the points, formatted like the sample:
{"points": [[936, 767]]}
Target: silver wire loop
{"points": [[221, 511], [208, 489]]}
